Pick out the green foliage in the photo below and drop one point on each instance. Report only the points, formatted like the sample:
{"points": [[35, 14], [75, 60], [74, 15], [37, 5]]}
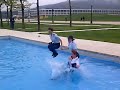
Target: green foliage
{"points": [[20, 3], [1, 2], [10, 2]]}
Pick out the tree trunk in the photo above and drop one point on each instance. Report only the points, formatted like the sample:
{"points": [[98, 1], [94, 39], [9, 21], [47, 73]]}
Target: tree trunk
{"points": [[38, 15], [70, 13], [7, 16], [1, 22], [11, 14], [91, 21], [52, 15], [23, 22]]}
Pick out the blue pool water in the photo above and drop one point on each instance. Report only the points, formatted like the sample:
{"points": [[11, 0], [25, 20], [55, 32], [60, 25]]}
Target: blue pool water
{"points": [[26, 66]]}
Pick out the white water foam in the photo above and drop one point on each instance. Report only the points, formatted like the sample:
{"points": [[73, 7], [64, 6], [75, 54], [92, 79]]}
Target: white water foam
{"points": [[57, 68]]}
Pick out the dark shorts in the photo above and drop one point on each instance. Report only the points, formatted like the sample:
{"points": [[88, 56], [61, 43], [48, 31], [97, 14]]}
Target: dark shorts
{"points": [[53, 46]]}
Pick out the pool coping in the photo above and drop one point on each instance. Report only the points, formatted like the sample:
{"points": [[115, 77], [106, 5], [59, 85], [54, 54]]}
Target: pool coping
{"points": [[99, 55], [96, 47]]}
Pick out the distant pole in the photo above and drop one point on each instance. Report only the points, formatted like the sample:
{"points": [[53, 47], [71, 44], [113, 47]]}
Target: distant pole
{"points": [[38, 15], [1, 22], [70, 13], [52, 15], [29, 14], [91, 21], [7, 14], [11, 15], [23, 15]]}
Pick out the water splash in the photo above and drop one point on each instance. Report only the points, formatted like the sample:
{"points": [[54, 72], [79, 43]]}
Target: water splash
{"points": [[57, 68]]}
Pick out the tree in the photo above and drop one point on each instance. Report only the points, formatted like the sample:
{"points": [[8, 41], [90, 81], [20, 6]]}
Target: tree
{"points": [[1, 21], [11, 4], [22, 8], [7, 10], [38, 15], [70, 7], [91, 21], [22, 4], [52, 15]]}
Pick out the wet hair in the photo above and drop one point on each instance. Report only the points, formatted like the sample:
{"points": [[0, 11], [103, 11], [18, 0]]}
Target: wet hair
{"points": [[71, 37], [75, 53], [51, 29]]}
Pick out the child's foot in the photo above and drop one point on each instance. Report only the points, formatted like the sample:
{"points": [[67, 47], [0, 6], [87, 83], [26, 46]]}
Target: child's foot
{"points": [[55, 55]]}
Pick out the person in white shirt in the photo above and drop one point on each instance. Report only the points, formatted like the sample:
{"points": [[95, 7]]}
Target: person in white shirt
{"points": [[71, 45], [74, 60], [55, 44]]}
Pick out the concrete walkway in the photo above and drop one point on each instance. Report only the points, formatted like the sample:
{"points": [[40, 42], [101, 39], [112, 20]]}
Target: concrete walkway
{"points": [[80, 22], [89, 45], [64, 24], [88, 22]]}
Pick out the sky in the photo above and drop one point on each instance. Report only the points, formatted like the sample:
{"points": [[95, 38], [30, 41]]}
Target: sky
{"points": [[45, 2], [42, 2]]}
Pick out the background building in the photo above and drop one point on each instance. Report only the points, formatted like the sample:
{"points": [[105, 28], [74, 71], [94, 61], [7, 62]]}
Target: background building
{"points": [[48, 12]]}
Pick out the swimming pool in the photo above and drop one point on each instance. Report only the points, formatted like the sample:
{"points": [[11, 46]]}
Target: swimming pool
{"points": [[25, 66]]}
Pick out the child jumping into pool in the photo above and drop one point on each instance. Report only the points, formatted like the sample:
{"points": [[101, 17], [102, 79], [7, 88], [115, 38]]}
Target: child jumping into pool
{"points": [[73, 62], [71, 44], [55, 44], [58, 68]]}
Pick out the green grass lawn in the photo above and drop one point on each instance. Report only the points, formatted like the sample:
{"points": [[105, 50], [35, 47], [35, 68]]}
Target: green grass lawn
{"points": [[106, 36], [96, 17], [33, 27]]}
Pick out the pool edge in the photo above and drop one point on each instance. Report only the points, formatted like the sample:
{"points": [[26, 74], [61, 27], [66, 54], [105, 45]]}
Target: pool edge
{"points": [[102, 56]]}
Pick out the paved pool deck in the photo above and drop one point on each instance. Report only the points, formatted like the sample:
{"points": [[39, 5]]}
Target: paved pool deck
{"points": [[104, 48]]}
